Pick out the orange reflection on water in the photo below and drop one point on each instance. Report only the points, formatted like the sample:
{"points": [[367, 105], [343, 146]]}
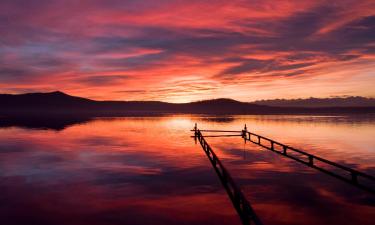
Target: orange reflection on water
{"points": [[137, 170]]}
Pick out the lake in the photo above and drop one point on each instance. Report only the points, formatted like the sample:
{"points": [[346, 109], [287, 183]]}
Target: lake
{"points": [[148, 170]]}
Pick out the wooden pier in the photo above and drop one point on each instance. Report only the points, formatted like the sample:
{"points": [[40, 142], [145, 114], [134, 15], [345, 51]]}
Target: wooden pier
{"points": [[354, 177], [245, 211], [239, 201]]}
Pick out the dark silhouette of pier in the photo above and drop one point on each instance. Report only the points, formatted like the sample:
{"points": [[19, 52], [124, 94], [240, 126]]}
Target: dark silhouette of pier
{"points": [[239, 201], [245, 211]]}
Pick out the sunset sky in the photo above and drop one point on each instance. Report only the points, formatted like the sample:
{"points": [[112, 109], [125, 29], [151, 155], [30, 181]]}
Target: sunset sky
{"points": [[181, 51]]}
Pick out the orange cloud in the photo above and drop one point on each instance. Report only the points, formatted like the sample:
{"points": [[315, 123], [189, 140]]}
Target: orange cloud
{"points": [[142, 50]]}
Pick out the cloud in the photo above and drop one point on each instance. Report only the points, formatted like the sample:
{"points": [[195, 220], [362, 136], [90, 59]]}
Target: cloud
{"points": [[97, 80], [76, 46]]}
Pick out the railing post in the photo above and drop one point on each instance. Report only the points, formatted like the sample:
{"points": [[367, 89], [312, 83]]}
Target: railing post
{"points": [[258, 140], [244, 132], [284, 149], [272, 146], [311, 160]]}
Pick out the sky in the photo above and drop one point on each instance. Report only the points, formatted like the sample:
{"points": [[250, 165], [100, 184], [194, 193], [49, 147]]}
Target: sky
{"points": [[188, 50]]}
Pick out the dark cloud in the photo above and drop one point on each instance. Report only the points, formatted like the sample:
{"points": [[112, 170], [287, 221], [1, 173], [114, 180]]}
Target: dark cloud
{"points": [[98, 80], [12, 74], [247, 66], [263, 66]]}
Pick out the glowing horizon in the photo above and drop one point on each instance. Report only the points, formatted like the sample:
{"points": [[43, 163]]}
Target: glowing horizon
{"points": [[183, 51]]}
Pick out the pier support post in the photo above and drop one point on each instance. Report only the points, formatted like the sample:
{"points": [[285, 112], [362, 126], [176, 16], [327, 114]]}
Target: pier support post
{"points": [[311, 160], [195, 133], [244, 133]]}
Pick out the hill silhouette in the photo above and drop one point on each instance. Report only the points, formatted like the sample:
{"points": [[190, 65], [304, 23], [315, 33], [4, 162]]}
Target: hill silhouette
{"points": [[352, 101], [59, 103], [47, 100]]}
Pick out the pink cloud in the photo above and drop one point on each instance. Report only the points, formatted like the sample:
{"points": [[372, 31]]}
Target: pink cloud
{"points": [[137, 50]]}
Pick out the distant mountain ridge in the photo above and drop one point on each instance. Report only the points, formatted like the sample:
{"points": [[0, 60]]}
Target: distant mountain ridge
{"points": [[58, 103], [42, 99], [352, 101]]}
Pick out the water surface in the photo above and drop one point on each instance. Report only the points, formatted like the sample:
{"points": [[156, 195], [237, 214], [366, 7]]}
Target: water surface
{"points": [[147, 170]]}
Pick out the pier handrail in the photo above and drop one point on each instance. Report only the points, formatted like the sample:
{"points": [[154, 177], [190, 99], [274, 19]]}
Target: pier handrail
{"points": [[239, 201], [310, 161], [356, 178]]}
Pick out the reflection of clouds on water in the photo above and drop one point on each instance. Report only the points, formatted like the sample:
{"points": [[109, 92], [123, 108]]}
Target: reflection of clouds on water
{"points": [[113, 169]]}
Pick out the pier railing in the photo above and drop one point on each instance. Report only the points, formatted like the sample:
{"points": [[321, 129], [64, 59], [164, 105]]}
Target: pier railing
{"points": [[344, 173], [351, 176], [239, 201], [241, 204]]}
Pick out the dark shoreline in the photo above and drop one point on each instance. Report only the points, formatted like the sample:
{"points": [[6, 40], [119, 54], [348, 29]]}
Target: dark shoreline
{"points": [[61, 104]]}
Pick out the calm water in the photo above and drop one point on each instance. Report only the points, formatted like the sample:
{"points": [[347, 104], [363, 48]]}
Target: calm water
{"points": [[147, 170]]}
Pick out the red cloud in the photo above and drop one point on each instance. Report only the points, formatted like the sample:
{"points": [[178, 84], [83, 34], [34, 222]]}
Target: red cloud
{"points": [[236, 47]]}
